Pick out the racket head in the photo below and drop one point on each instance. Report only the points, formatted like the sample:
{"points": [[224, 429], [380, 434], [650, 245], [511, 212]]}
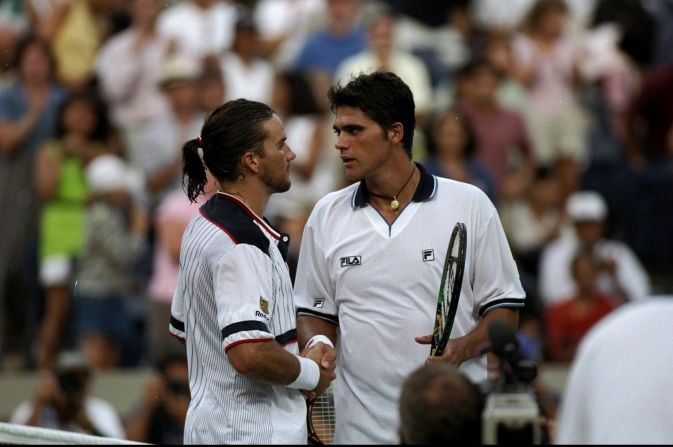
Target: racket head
{"points": [[449, 289], [320, 419]]}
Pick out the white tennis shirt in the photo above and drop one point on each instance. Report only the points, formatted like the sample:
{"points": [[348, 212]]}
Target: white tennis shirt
{"points": [[234, 287], [619, 387], [379, 284]]}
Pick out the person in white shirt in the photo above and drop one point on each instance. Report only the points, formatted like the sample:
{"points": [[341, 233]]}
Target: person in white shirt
{"points": [[382, 53], [202, 29], [618, 389], [245, 74], [233, 304], [371, 261], [622, 274]]}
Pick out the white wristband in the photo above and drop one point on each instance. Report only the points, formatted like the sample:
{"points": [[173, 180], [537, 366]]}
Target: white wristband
{"points": [[309, 375], [316, 338]]}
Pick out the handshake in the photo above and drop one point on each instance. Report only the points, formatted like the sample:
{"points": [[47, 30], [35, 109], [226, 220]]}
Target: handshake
{"points": [[325, 356]]}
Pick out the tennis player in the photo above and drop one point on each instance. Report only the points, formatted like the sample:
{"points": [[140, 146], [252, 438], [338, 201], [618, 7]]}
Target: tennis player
{"points": [[371, 260], [233, 303]]}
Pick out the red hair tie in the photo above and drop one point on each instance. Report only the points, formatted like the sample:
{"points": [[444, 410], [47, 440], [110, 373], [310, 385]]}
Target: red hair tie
{"points": [[200, 141]]}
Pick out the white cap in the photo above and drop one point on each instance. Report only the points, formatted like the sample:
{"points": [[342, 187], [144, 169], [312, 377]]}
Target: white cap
{"points": [[178, 68], [107, 173], [586, 206]]}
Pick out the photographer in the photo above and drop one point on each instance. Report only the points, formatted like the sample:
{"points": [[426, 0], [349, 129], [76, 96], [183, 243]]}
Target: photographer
{"points": [[159, 416], [62, 401], [439, 405]]}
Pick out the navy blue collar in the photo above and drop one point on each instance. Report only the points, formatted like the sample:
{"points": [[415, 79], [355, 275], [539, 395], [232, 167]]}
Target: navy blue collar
{"points": [[424, 191]]}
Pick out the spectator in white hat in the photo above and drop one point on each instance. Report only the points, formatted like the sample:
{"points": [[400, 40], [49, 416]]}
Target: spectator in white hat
{"points": [[114, 240], [621, 272], [161, 157]]}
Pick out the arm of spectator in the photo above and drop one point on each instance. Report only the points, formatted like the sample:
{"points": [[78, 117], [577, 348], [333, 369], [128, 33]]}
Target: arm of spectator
{"points": [[48, 392], [47, 173], [14, 133], [48, 27]]}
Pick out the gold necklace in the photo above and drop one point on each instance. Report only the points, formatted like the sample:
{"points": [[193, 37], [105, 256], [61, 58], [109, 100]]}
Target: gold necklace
{"points": [[394, 203]]}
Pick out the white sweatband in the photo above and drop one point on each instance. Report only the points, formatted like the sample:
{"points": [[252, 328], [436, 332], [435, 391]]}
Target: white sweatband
{"points": [[309, 375], [316, 338]]}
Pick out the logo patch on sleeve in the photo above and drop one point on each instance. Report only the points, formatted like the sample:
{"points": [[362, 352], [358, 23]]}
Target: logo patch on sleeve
{"points": [[428, 255], [318, 302], [264, 305]]}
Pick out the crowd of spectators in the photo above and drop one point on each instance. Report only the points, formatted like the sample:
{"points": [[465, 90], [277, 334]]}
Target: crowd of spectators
{"points": [[560, 110]]}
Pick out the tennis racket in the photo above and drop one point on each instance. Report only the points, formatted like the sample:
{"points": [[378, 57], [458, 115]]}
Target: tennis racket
{"points": [[320, 419], [449, 289]]}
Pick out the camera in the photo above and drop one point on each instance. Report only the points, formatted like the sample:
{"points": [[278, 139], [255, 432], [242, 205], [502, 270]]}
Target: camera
{"points": [[511, 412]]}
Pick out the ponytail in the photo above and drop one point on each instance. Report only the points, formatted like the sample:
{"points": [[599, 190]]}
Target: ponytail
{"points": [[193, 170]]}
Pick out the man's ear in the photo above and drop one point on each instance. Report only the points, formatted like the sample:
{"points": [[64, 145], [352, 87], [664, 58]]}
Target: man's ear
{"points": [[396, 133], [250, 160]]}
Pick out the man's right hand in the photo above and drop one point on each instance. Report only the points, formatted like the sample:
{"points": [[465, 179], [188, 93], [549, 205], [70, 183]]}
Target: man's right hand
{"points": [[325, 357]]}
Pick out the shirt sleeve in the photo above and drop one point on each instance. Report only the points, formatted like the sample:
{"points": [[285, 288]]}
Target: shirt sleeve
{"points": [[242, 281], [313, 290], [176, 325], [496, 280]]}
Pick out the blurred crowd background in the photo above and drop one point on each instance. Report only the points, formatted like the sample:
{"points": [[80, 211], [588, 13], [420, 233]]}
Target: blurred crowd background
{"points": [[560, 110]]}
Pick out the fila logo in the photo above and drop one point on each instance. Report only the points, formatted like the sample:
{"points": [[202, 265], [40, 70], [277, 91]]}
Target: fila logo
{"points": [[428, 255], [318, 302], [348, 261]]}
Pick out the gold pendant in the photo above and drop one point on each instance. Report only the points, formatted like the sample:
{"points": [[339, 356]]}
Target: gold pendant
{"points": [[394, 204]]}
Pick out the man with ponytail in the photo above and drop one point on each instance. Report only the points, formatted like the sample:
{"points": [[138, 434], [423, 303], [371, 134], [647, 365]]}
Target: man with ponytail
{"points": [[233, 304]]}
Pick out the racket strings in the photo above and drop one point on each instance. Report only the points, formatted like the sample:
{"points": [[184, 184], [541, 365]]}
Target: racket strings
{"points": [[323, 417]]}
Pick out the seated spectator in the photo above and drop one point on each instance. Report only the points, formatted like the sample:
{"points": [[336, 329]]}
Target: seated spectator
{"points": [[568, 320], [451, 147], [159, 418], [617, 391], [621, 273], [128, 69], [114, 238], [382, 53], [211, 89], [503, 146], [339, 37], [284, 26], [160, 159], [201, 28], [63, 401], [440, 406], [245, 73], [546, 63], [533, 220]]}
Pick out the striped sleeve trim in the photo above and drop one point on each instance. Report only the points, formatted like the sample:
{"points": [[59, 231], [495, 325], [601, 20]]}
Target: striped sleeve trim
{"points": [[176, 327], [245, 331], [306, 312], [287, 338], [504, 302]]}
